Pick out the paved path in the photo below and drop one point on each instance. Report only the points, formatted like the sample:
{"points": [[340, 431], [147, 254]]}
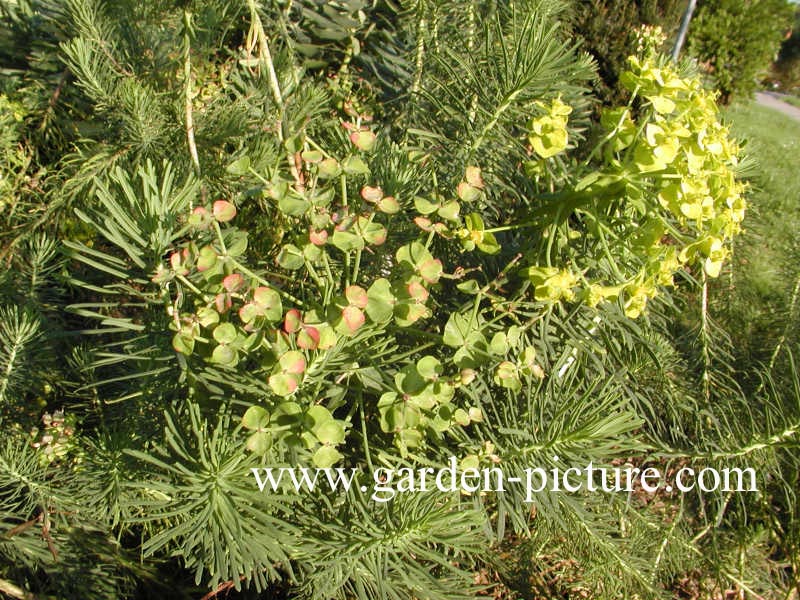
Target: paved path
{"points": [[772, 100]]}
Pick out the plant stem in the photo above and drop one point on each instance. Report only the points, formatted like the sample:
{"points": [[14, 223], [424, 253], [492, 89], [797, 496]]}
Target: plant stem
{"points": [[327, 262], [705, 335], [357, 266], [419, 61], [313, 272], [265, 55], [492, 123], [14, 591], [259, 176], [187, 74], [190, 285], [222, 245], [779, 346], [363, 416], [343, 184], [240, 267]]}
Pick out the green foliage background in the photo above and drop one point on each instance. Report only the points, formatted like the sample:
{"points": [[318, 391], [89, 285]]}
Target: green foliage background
{"points": [[786, 69], [739, 41], [607, 30]]}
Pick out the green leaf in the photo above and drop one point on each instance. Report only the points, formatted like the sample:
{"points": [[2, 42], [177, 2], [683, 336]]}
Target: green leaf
{"points": [[389, 205], [183, 344], [292, 321], [409, 380], [449, 211], [461, 417], [662, 104], [470, 286], [352, 318], [240, 166], [355, 166], [292, 362], [507, 376], [312, 156], [316, 416], [413, 254], [356, 296], [425, 206], [259, 442], [207, 259], [408, 313], [396, 414], [207, 316], [363, 140], [308, 338], [468, 338], [371, 193], [430, 270], [224, 355], [328, 168], [291, 257], [499, 343], [488, 244], [457, 330], [373, 233], [236, 241], [269, 301], [233, 282], [380, 301], [256, 417], [467, 192], [284, 384], [409, 438], [429, 367], [293, 204], [250, 312], [287, 414], [225, 333], [223, 211], [346, 241], [331, 432], [326, 456]]}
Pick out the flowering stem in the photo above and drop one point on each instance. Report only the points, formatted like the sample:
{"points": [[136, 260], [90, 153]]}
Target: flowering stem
{"points": [[240, 267], [358, 252], [343, 184]]}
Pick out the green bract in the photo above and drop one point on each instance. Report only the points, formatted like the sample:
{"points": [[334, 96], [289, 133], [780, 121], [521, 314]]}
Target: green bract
{"points": [[548, 133], [660, 194]]}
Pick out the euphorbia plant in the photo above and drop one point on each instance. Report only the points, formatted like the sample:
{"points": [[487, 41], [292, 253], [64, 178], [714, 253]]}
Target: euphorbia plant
{"points": [[362, 259], [338, 234]]}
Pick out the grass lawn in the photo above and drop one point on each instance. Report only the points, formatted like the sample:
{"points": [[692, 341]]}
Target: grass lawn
{"points": [[793, 100], [767, 257]]}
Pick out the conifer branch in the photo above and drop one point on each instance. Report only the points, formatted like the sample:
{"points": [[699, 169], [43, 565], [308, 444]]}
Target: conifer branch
{"points": [[789, 322]]}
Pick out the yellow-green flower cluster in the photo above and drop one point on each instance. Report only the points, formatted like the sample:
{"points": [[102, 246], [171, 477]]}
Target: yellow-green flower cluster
{"points": [[693, 157], [548, 133], [649, 39], [668, 171]]}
